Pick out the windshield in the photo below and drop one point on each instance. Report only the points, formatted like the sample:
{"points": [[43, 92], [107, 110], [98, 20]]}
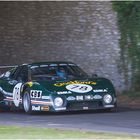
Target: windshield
{"points": [[56, 72]]}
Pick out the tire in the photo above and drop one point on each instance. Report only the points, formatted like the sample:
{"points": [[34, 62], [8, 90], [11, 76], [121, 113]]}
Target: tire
{"points": [[27, 103]]}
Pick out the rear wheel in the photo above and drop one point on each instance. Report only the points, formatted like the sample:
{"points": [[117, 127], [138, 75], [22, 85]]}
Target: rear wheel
{"points": [[27, 103]]}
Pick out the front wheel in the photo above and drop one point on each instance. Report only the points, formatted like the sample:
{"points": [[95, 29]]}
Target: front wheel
{"points": [[27, 103]]}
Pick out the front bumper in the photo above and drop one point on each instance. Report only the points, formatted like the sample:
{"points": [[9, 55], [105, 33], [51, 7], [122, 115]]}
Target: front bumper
{"points": [[71, 106]]}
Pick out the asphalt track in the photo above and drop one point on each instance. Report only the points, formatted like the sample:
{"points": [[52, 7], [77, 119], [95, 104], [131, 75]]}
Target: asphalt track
{"points": [[124, 121]]}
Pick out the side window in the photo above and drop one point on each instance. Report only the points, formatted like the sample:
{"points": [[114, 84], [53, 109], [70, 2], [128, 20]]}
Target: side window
{"points": [[12, 72], [15, 73], [22, 74], [9, 73]]}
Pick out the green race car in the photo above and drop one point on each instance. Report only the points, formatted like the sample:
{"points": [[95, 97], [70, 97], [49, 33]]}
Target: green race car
{"points": [[54, 86]]}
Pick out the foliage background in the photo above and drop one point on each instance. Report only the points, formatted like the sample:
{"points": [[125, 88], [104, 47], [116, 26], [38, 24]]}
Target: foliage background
{"points": [[128, 15]]}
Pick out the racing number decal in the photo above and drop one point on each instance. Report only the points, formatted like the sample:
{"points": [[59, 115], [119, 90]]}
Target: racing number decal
{"points": [[79, 88], [16, 94], [82, 88]]}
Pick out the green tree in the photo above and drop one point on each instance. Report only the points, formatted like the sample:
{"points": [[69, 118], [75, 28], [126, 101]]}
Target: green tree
{"points": [[128, 15]]}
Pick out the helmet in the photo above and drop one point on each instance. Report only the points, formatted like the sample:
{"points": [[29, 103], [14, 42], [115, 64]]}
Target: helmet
{"points": [[61, 73]]}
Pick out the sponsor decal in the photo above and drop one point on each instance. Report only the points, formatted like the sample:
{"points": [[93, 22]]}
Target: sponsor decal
{"points": [[100, 90], [97, 97], [45, 108], [35, 93], [16, 94], [79, 88], [71, 98], [46, 97], [79, 98], [12, 82], [36, 108], [64, 92], [74, 82], [88, 97]]}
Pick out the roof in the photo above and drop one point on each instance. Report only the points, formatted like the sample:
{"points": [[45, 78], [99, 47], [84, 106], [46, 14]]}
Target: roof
{"points": [[51, 62]]}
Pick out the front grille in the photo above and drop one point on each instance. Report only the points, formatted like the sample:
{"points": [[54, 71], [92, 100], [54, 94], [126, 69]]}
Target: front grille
{"points": [[84, 105]]}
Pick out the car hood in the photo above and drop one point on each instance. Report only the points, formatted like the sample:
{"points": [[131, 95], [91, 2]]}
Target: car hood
{"points": [[89, 85]]}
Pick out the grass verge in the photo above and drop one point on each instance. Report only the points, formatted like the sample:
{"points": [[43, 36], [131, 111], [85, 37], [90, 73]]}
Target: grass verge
{"points": [[18, 132]]}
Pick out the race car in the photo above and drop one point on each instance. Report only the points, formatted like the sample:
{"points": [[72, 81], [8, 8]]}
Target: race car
{"points": [[54, 87]]}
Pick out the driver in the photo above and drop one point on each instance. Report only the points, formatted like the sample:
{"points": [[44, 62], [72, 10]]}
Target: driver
{"points": [[61, 73]]}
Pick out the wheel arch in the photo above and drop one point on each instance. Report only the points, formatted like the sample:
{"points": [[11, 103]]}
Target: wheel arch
{"points": [[24, 88]]}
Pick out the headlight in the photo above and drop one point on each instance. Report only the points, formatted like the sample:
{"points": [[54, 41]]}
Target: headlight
{"points": [[107, 98], [58, 101]]}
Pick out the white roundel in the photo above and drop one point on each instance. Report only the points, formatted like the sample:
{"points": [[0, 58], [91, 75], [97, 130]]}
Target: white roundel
{"points": [[16, 94], [79, 88]]}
